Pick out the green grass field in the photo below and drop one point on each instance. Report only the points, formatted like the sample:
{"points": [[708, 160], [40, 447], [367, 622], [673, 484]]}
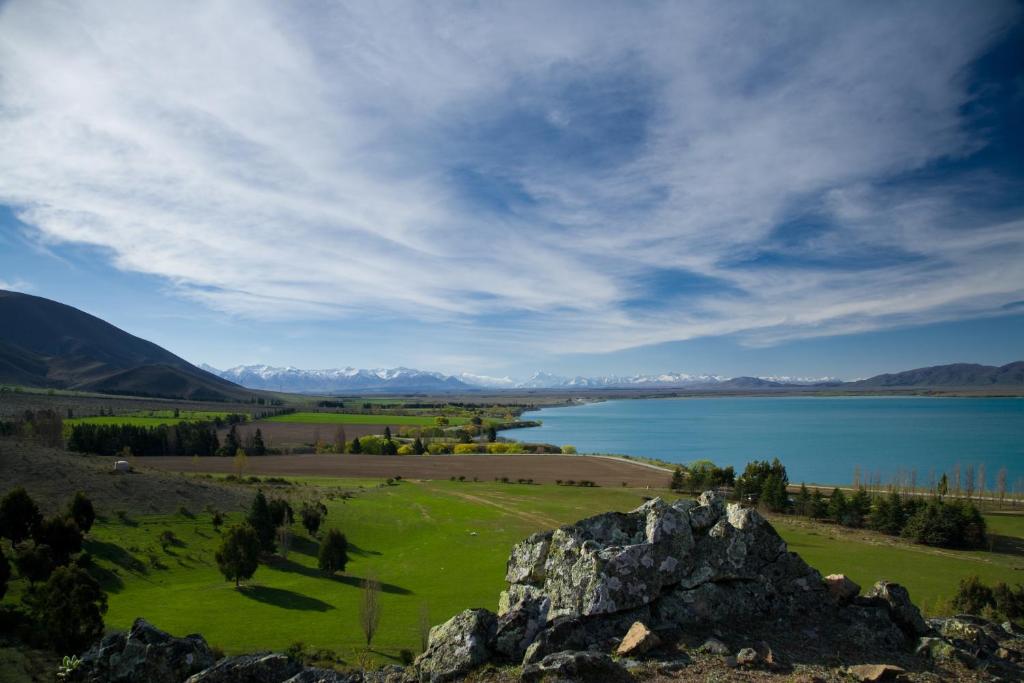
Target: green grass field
{"points": [[365, 419], [150, 418], [442, 545]]}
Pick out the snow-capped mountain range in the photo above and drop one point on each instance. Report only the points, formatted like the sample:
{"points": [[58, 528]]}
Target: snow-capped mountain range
{"points": [[345, 380]]}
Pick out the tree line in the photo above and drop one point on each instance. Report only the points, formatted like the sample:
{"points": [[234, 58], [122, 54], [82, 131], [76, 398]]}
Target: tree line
{"points": [[934, 521], [63, 606]]}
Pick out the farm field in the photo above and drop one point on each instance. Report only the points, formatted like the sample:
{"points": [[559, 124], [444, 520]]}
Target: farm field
{"points": [[606, 472], [153, 418], [366, 419], [439, 546], [295, 434]]}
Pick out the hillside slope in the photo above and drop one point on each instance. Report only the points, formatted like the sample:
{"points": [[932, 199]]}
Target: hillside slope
{"points": [[953, 375], [44, 343]]}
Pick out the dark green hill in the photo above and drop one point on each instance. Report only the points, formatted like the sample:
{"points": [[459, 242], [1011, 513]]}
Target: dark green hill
{"points": [[44, 343]]}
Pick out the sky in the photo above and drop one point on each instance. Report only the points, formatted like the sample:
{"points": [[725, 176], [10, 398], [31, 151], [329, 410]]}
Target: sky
{"points": [[799, 188]]}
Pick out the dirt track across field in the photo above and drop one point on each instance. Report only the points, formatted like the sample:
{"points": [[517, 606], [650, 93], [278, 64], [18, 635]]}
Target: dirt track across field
{"points": [[540, 468]]}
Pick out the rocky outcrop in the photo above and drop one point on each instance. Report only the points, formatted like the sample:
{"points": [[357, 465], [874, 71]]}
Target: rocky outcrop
{"points": [[144, 653], [976, 643], [665, 566]]}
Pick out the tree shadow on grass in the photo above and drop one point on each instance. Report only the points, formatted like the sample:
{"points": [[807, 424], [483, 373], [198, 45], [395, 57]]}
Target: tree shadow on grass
{"points": [[312, 572], [306, 546], [362, 552], [115, 554], [384, 587], [108, 579], [1008, 545], [285, 599]]}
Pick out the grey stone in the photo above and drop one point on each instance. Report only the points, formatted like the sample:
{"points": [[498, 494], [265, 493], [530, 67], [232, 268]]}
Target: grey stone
{"points": [[903, 612], [748, 657], [517, 628], [576, 666], [842, 588], [458, 646], [144, 653], [714, 646], [316, 675], [266, 667]]}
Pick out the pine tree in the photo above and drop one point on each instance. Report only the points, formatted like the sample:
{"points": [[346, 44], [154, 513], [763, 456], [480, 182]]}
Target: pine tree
{"points": [[677, 480], [417, 446], [819, 506], [837, 506], [387, 433], [258, 447], [356, 447], [239, 553], [803, 500], [262, 522], [492, 434], [333, 553]]}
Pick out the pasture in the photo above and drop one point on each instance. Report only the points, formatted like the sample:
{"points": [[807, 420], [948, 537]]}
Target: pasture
{"points": [[364, 419], [436, 547], [150, 418]]}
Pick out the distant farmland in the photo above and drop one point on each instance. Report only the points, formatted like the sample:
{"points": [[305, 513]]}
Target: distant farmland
{"points": [[363, 419], [150, 418]]}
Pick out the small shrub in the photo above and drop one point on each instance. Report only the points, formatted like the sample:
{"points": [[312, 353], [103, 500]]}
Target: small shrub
{"points": [[406, 657], [167, 538], [185, 512]]}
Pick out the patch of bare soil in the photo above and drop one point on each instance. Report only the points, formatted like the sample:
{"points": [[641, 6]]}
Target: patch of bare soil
{"points": [[285, 435], [540, 468], [53, 476]]}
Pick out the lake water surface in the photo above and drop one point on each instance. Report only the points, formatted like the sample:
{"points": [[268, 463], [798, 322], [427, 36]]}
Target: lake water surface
{"points": [[819, 439]]}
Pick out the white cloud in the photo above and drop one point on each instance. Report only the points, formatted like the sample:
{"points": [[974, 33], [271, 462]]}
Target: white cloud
{"points": [[15, 285], [301, 166]]}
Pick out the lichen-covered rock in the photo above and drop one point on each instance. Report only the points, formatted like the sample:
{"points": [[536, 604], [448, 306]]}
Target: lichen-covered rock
{"points": [[145, 653], [576, 666], [901, 609], [268, 667], [619, 561], [966, 632], [458, 646], [519, 627], [526, 562]]}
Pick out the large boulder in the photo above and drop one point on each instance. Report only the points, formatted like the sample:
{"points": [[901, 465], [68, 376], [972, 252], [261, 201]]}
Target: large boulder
{"points": [[458, 646], [144, 653], [704, 559]]}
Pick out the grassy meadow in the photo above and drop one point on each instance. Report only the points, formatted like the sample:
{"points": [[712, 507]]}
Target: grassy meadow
{"points": [[437, 546], [365, 419], [150, 418]]}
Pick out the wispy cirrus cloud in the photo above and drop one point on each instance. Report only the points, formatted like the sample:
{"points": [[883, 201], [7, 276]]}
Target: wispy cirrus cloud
{"points": [[603, 176]]}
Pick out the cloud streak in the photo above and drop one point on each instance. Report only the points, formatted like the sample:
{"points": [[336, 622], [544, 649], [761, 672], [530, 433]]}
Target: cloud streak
{"points": [[520, 165]]}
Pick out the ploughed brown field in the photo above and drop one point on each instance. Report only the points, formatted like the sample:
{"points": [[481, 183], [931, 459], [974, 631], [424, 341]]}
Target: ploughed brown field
{"points": [[292, 434], [545, 469]]}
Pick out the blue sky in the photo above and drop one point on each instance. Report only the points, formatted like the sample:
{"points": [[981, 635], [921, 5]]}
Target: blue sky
{"points": [[806, 188]]}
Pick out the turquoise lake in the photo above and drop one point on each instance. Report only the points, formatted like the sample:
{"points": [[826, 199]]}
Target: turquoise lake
{"points": [[818, 439]]}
